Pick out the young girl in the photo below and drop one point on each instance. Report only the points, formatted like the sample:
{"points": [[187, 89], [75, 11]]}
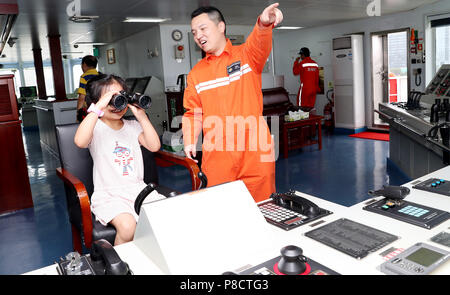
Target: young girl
{"points": [[114, 145]]}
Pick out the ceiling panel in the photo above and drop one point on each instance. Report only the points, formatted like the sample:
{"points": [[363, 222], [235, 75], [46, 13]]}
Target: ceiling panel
{"points": [[39, 18]]}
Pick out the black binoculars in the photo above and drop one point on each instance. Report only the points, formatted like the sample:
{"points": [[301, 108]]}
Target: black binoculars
{"points": [[121, 99]]}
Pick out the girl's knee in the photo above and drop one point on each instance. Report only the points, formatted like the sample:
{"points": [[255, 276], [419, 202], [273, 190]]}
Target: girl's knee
{"points": [[125, 225]]}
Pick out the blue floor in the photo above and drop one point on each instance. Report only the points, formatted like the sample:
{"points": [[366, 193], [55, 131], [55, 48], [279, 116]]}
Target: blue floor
{"points": [[342, 172]]}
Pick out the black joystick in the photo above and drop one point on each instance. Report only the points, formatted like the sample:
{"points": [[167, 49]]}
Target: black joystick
{"points": [[292, 261]]}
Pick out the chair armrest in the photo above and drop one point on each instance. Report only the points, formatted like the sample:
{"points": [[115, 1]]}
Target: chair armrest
{"points": [[165, 159], [83, 198]]}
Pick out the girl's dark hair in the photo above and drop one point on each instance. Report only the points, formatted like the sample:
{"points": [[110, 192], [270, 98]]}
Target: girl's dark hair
{"points": [[95, 86]]}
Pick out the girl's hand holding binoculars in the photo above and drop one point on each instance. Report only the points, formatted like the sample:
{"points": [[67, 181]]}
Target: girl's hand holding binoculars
{"points": [[104, 100], [138, 112]]}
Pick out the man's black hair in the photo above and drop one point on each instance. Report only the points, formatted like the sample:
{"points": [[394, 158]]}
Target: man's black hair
{"points": [[304, 51], [95, 86], [214, 14], [90, 61]]}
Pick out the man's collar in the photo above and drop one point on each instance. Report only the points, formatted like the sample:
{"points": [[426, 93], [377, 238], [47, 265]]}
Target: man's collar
{"points": [[227, 49]]}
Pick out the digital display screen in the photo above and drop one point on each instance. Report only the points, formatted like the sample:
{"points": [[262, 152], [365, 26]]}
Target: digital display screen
{"points": [[28, 91], [425, 257]]}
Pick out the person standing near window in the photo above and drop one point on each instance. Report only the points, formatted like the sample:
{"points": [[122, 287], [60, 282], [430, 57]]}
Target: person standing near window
{"points": [[89, 67]]}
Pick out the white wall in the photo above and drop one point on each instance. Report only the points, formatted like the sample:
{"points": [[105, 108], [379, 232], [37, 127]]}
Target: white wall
{"points": [[132, 59], [120, 67], [318, 40], [171, 67]]}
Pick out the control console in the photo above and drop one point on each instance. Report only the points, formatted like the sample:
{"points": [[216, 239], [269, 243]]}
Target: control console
{"points": [[420, 259], [291, 262], [434, 185], [409, 212]]}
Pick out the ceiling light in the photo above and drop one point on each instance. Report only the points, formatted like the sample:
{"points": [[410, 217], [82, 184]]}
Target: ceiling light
{"points": [[145, 20], [288, 28], [82, 19], [90, 43]]}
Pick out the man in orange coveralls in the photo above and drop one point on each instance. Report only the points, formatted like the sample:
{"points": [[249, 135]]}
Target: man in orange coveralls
{"points": [[224, 99], [309, 78]]}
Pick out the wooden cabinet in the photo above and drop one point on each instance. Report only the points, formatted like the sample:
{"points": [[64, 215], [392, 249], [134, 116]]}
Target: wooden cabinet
{"points": [[15, 191], [8, 100]]}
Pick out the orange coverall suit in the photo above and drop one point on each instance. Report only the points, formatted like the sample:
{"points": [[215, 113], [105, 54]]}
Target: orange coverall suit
{"points": [[309, 77], [224, 98]]}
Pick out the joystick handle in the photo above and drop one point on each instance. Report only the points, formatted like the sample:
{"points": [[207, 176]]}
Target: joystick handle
{"points": [[292, 261]]}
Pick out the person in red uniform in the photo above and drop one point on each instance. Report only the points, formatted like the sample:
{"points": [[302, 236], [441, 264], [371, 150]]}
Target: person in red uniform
{"points": [[224, 100], [309, 79]]}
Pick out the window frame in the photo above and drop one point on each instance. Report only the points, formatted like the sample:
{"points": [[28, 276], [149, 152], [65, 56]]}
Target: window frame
{"points": [[431, 45]]}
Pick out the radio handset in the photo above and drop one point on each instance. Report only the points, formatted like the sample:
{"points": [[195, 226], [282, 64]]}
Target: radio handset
{"points": [[391, 192], [105, 259], [296, 203]]}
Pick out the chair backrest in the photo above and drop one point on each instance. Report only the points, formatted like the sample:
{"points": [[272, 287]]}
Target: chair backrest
{"points": [[79, 163], [76, 160]]}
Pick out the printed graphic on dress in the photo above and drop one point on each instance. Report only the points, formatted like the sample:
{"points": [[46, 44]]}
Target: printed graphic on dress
{"points": [[123, 159]]}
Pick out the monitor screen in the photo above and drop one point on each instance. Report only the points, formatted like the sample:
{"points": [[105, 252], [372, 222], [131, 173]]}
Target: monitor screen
{"points": [[131, 82], [425, 257], [28, 91], [141, 84]]}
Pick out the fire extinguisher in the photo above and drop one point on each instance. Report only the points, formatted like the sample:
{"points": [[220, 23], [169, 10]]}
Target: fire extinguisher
{"points": [[328, 110]]}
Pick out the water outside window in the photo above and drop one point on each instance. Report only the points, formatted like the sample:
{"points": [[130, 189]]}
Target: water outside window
{"points": [[398, 69]]}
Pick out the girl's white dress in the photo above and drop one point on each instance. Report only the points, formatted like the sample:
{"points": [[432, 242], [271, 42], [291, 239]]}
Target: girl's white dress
{"points": [[118, 170]]}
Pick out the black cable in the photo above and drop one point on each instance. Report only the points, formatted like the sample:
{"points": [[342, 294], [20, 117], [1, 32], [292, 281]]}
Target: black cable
{"points": [[420, 80]]}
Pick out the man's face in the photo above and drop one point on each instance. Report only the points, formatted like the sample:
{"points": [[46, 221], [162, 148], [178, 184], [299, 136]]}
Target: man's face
{"points": [[208, 35]]}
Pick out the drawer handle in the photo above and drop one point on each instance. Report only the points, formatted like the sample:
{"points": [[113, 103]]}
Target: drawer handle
{"points": [[42, 109]]}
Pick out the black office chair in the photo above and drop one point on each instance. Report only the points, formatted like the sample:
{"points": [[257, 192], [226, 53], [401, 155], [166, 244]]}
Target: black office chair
{"points": [[76, 173]]}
